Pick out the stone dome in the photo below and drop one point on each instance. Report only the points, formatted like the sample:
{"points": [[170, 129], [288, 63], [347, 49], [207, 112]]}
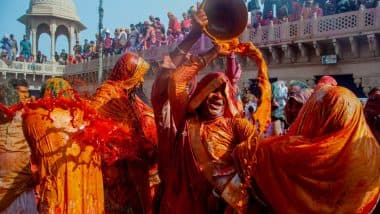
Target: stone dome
{"points": [[58, 8]]}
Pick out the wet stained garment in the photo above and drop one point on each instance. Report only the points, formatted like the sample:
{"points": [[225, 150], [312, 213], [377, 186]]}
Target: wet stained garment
{"points": [[328, 162], [15, 171], [70, 174], [191, 180], [197, 153], [128, 184]]}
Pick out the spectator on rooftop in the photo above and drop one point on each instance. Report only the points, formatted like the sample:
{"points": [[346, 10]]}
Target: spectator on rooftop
{"points": [[159, 29], [115, 42], [174, 24], [108, 44], [7, 46], [186, 23], [269, 18], [56, 56], [25, 47], [296, 10], [77, 48], [133, 38], [149, 36], [317, 10], [14, 47], [63, 57], [93, 50], [123, 39]]}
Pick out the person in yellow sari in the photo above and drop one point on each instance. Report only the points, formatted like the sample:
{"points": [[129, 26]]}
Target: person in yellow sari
{"points": [[70, 174], [328, 162]]}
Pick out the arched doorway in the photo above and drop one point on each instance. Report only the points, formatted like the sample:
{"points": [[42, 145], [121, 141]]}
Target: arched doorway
{"points": [[43, 39]]}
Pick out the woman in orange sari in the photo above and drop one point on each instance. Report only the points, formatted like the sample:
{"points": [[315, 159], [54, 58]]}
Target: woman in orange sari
{"points": [[129, 185], [70, 174], [328, 162]]}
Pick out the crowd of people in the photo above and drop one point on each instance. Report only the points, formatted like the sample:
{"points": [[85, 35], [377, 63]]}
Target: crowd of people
{"points": [[11, 51], [300, 150], [136, 37], [153, 33], [293, 10]]}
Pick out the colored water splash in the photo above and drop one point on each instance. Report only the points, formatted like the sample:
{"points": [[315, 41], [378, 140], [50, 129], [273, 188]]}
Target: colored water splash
{"points": [[111, 139], [10, 111]]}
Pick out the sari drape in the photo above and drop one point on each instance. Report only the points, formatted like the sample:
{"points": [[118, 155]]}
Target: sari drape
{"points": [[328, 162]]}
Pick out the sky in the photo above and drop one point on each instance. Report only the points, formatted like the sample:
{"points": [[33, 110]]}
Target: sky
{"points": [[117, 13]]}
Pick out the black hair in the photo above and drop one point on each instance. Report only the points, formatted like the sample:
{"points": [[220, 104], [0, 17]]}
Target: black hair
{"points": [[22, 82]]}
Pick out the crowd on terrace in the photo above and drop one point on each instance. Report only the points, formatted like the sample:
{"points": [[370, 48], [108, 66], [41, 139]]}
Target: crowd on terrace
{"points": [[153, 33]]}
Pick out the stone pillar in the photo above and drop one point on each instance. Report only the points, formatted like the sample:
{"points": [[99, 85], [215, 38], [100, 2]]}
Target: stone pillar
{"points": [[34, 41], [77, 36], [53, 28], [354, 46], [71, 39]]}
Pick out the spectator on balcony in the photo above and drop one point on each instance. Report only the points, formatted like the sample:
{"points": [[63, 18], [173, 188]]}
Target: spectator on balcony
{"points": [[258, 19], [7, 46], [159, 30], [123, 39], [152, 20], [296, 10], [133, 38], [174, 24], [185, 24], [71, 60], [108, 44], [25, 47], [254, 8], [307, 11], [93, 49], [343, 6], [149, 36], [63, 57], [115, 42], [317, 10], [86, 49], [329, 8], [269, 18], [14, 47], [77, 48], [56, 56], [39, 57], [368, 3]]}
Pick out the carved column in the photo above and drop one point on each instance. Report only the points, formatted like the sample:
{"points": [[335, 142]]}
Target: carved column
{"points": [[275, 54], [317, 48], [271, 31], [354, 46], [289, 53], [373, 44], [53, 28], [337, 47], [34, 41], [71, 40]]}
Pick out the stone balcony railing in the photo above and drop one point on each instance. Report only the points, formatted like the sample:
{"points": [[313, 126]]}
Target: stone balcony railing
{"points": [[34, 73], [27, 68], [351, 24], [318, 28]]}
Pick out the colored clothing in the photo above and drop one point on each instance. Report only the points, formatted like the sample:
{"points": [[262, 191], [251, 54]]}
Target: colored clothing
{"points": [[328, 162], [134, 179], [70, 175], [25, 47], [15, 171], [25, 203]]}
